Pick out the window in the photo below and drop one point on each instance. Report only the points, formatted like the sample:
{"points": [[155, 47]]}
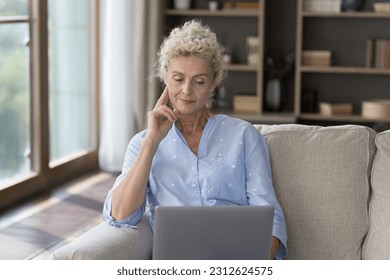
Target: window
{"points": [[14, 90], [69, 84], [48, 94]]}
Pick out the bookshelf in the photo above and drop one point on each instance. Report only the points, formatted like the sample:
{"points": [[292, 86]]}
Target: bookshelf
{"points": [[348, 78], [285, 26], [233, 26]]}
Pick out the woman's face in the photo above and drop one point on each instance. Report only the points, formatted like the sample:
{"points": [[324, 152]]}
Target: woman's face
{"points": [[190, 82]]}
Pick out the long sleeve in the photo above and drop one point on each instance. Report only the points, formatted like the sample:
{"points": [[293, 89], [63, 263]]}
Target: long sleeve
{"points": [[259, 186], [130, 156]]}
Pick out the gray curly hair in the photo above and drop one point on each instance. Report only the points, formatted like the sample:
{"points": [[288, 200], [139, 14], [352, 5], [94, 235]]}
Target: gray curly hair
{"points": [[192, 38]]}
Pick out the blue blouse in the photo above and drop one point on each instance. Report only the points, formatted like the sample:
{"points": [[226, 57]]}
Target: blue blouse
{"points": [[232, 167]]}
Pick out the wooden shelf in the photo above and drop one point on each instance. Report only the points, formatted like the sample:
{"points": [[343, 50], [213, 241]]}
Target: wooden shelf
{"points": [[242, 67], [341, 118], [218, 13], [345, 70], [265, 117], [359, 15]]}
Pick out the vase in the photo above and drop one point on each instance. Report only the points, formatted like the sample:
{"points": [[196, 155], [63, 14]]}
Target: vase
{"points": [[182, 4], [213, 6], [273, 94], [352, 5]]}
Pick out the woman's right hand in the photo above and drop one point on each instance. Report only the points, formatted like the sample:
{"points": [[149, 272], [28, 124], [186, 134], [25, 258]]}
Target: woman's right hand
{"points": [[161, 118]]}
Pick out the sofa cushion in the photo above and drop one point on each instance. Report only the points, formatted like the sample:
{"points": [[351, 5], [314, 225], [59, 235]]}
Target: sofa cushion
{"points": [[377, 244], [321, 178], [105, 242]]}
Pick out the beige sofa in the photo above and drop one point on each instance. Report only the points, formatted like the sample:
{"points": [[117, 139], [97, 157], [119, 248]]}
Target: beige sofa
{"points": [[334, 187]]}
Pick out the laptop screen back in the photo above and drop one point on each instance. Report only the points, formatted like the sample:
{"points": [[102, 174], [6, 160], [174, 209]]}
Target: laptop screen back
{"points": [[219, 232]]}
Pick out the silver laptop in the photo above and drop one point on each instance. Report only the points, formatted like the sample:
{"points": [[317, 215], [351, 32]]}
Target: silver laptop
{"points": [[212, 232]]}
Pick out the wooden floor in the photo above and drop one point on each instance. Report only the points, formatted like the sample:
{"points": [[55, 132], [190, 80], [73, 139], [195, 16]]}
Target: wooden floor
{"points": [[33, 230]]}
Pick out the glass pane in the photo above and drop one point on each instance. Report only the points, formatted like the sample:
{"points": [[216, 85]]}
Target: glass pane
{"points": [[69, 77], [14, 102], [13, 7]]}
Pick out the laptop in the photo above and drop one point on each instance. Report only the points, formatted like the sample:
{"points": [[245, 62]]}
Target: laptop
{"points": [[212, 232]]}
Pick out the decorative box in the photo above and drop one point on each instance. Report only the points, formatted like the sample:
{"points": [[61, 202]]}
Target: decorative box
{"points": [[246, 103], [382, 7], [325, 6], [331, 109], [376, 109], [317, 58]]}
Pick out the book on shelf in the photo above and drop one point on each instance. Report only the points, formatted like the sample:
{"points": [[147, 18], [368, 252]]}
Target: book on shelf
{"points": [[382, 53], [331, 109], [378, 53], [322, 6], [370, 50]]}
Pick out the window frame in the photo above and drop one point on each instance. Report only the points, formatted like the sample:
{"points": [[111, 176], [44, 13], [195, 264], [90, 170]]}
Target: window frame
{"points": [[45, 175]]}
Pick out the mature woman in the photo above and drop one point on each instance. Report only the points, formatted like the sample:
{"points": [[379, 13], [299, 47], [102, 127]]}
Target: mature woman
{"points": [[187, 155]]}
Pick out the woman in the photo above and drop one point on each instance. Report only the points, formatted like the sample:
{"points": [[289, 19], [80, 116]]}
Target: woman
{"points": [[188, 156]]}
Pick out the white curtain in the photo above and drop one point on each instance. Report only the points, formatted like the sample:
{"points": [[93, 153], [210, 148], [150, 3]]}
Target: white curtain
{"points": [[130, 39]]}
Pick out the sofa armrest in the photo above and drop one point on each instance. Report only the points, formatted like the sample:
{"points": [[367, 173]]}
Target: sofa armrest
{"points": [[105, 242], [377, 243]]}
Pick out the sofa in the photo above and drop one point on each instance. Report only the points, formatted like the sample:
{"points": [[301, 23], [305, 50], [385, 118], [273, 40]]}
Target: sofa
{"points": [[333, 184]]}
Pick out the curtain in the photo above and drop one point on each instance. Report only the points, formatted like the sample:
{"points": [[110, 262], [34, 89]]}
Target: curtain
{"points": [[130, 39]]}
